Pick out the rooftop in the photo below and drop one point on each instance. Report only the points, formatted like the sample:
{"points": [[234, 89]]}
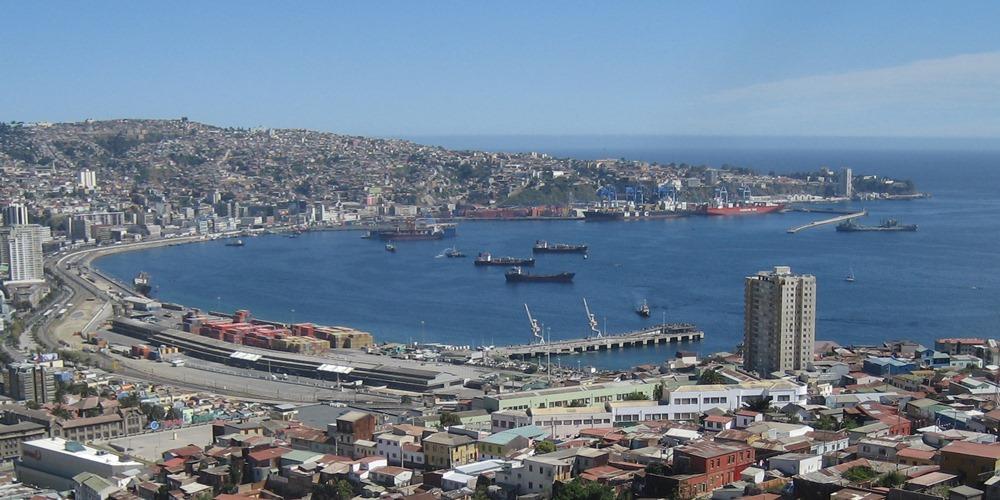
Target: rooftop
{"points": [[62, 446]]}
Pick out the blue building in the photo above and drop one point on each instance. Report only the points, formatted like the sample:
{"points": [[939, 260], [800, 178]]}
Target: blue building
{"points": [[887, 367]]}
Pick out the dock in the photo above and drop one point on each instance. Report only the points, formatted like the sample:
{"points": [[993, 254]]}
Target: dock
{"points": [[832, 220], [669, 333]]}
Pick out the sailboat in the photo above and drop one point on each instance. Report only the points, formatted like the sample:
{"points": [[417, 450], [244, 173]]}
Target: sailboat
{"points": [[850, 277]]}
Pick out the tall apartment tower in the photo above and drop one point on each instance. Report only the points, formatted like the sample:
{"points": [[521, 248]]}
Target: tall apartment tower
{"points": [[779, 321], [21, 251], [846, 187], [88, 179], [15, 215]]}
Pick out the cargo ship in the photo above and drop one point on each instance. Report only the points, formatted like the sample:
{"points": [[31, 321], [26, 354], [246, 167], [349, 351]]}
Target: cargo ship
{"points": [[141, 284], [742, 208], [413, 231], [517, 275], [485, 259], [542, 246], [603, 214], [849, 226]]}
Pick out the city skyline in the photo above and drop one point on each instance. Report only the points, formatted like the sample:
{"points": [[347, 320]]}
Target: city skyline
{"points": [[746, 70]]}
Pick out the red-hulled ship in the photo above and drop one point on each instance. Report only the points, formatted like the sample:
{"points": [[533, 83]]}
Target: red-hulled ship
{"points": [[742, 209]]}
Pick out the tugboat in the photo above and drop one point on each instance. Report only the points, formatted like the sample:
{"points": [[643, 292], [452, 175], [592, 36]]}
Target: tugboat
{"points": [[542, 246], [485, 259], [643, 310], [389, 247], [517, 275], [235, 243], [453, 253], [141, 284]]}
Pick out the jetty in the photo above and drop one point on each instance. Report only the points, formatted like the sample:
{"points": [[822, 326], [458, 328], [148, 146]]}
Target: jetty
{"points": [[832, 220], [667, 333]]}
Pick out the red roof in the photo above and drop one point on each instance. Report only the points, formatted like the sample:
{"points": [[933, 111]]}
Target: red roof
{"points": [[973, 449], [916, 453], [722, 419], [268, 454]]}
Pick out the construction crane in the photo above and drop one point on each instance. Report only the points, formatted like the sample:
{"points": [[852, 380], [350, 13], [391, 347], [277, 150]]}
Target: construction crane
{"points": [[536, 329], [592, 320]]}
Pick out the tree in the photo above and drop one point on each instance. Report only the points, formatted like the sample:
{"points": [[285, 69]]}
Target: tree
{"points": [[636, 396], [891, 479], [339, 490], [711, 376], [860, 474], [449, 419], [761, 405], [62, 413], [153, 411], [174, 414], [482, 489], [543, 447], [658, 392], [581, 490], [32, 405], [130, 400]]}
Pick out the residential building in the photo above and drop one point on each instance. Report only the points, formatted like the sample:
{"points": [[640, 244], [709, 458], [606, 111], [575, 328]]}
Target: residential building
{"points": [[31, 381], [887, 367], [566, 422], [351, 427], [444, 450], [973, 463], [88, 180], [689, 402], [15, 215], [12, 435], [846, 183], [504, 443], [536, 474], [793, 464], [21, 251], [508, 419], [54, 462], [779, 321], [705, 466], [90, 486]]}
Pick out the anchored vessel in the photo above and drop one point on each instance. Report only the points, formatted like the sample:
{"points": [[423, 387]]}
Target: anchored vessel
{"points": [[542, 246], [643, 310], [742, 208], [485, 259], [517, 275], [389, 247], [453, 253], [235, 243], [849, 226], [141, 283], [414, 230]]}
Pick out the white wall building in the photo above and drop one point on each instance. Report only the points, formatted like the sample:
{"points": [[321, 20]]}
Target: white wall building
{"points": [[88, 179], [53, 462], [22, 252], [689, 402]]}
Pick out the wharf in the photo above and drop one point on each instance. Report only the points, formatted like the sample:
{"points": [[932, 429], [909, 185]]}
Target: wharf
{"points": [[832, 220], [668, 333]]}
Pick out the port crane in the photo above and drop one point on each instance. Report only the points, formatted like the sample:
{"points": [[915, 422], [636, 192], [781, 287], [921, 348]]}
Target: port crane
{"points": [[536, 329], [597, 333]]}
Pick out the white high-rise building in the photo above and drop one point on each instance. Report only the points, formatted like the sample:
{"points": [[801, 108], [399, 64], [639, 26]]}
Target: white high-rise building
{"points": [[88, 179], [15, 215], [21, 252], [779, 321], [846, 187]]}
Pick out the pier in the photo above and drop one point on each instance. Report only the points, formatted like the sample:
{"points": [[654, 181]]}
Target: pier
{"points": [[670, 333], [832, 220]]}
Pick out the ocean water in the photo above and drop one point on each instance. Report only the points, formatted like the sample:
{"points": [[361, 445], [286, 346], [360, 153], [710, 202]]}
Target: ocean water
{"points": [[943, 280]]}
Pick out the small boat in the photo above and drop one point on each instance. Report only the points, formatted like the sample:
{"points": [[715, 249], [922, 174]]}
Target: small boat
{"points": [[542, 246], [389, 247], [850, 277], [643, 310], [517, 275], [453, 253], [235, 243], [485, 259]]}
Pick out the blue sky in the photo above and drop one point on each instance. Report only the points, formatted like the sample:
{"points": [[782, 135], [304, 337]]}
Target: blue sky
{"points": [[866, 69]]}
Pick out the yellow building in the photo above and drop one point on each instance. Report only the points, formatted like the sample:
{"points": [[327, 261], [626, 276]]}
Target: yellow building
{"points": [[971, 462], [443, 450]]}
